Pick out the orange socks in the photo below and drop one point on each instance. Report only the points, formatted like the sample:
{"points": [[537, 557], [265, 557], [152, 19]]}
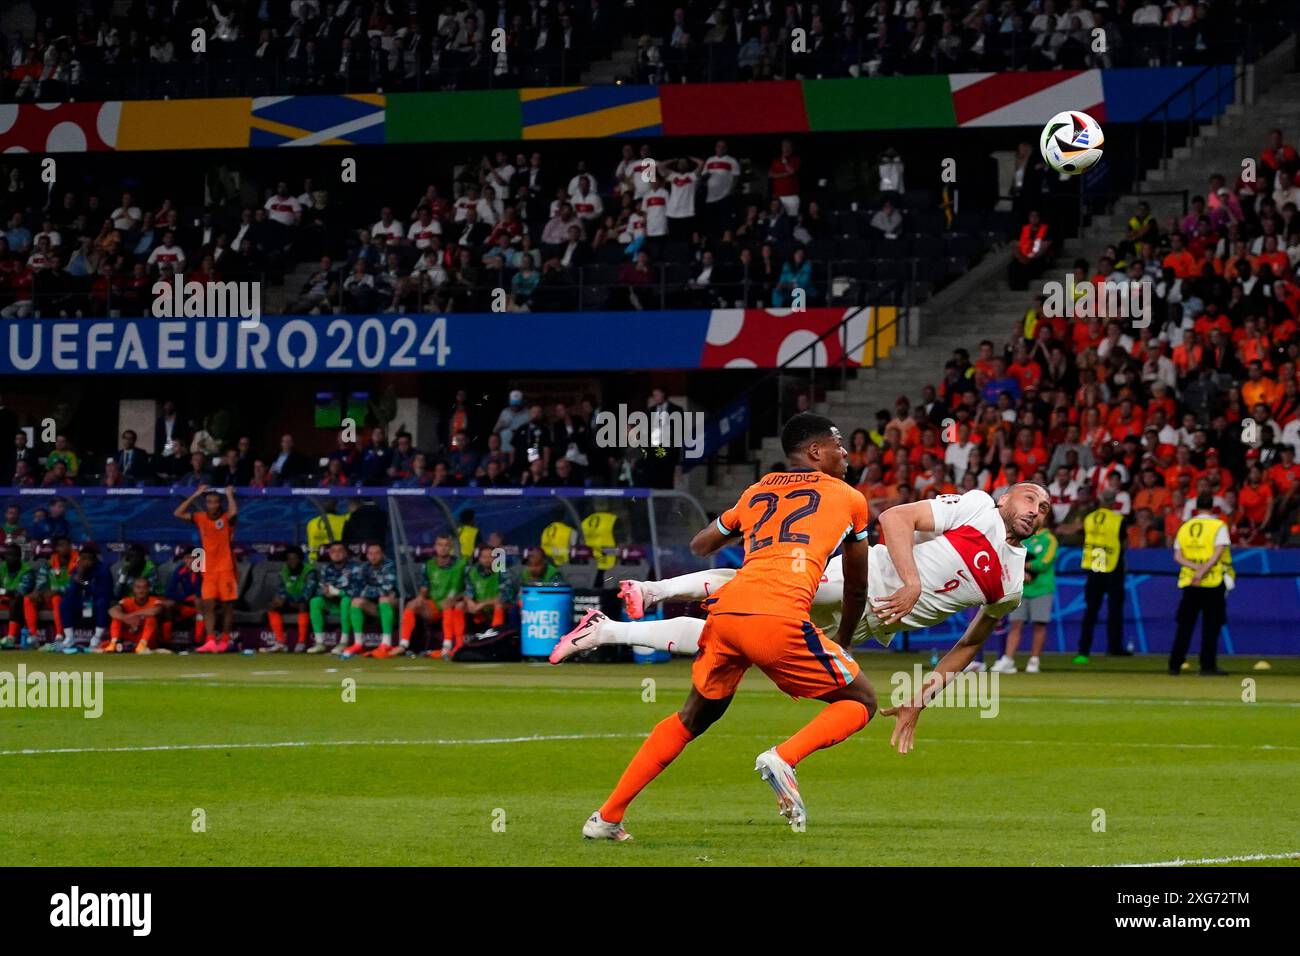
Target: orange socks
{"points": [[838, 721], [276, 620], [29, 613], [304, 626], [666, 741], [408, 623], [453, 625]]}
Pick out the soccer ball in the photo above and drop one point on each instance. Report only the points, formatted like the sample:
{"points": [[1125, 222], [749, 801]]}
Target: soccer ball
{"points": [[1071, 142]]}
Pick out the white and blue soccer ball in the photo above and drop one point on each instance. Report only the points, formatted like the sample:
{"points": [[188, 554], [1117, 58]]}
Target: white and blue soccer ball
{"points": [[1071, 142]]}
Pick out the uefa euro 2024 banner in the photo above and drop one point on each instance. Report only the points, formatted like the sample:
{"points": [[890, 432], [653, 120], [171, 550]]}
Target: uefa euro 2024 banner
{"points": [[614, 341]]}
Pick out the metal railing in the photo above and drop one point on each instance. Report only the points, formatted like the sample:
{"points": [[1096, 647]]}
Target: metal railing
{"points": [[586, 288]]}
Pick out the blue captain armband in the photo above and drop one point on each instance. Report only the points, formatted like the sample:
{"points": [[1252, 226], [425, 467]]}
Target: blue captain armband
{"points": [[724, 529]]}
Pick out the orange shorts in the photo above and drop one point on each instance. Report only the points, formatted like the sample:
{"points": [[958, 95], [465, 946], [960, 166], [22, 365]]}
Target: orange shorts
{"points": [[220, 586], [795, 656]]}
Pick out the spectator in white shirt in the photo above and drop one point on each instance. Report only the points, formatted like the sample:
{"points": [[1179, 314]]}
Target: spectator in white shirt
{"points": [[1063, 492], [1148, 15], [282, 208], [957, 455], [168, 253], [586, 202], [127, 217], [424, 229], [721, 170], [681, 201], [388, 227], [644, 173], [490, 209], [655, 207], [465, 202]]}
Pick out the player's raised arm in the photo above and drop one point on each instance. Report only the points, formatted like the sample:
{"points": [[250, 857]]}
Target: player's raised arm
{"points": [[708, 540], [897, 525], [232, 509], [714, 536], [183, 509], [853, 559], [952, 664]]}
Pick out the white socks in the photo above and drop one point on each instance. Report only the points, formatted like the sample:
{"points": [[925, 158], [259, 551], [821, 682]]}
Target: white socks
{"points": [[697, 586], [677, 635]]}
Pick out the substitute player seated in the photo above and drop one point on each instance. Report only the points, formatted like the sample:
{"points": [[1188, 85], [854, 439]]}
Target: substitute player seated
{"points": [[135, 621], [441, 600], [373, 589], [297, 588]]}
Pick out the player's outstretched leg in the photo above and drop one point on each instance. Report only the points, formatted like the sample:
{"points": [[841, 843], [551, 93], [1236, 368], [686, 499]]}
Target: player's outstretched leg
{"points": [[666, 741], [848, 709], [677, 635], [640, 596]]}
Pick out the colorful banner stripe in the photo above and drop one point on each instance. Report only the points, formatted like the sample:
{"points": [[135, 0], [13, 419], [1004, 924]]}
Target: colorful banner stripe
{"points": [[583, 112], [714, 109], [317, 120], [597, 112]]}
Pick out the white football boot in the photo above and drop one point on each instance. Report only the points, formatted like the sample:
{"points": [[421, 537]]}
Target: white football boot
{"points": [[780, 777]]}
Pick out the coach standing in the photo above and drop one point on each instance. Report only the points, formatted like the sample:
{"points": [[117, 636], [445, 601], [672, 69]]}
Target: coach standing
{"points": [[1103, 560], [1202, 549]]}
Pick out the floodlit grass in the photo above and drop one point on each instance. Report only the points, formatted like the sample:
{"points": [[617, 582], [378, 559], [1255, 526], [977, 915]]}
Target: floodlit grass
{"points": [[431, 755]]}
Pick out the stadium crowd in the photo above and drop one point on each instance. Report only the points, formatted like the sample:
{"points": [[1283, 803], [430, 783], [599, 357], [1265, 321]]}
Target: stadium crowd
{"points": [[527, 445], [90, 50], [1205, 399], [508, 233]]}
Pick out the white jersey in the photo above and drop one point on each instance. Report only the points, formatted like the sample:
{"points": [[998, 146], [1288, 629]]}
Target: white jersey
{"points": [[965, 562]]}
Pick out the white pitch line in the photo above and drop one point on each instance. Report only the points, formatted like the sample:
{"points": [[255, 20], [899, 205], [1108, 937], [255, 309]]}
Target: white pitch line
{"points": [[268, 673], [1249, 858], [274, 745], [1112, 743]]}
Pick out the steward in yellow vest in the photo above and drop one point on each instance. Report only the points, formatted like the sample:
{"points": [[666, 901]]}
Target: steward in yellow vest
{"points": [[598, 534], [558, 539], [1103, 560], [1202, 550]]}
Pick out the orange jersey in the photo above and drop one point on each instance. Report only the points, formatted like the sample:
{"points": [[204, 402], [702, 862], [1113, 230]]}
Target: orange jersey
{"points": [[131, 606], [792, 522], [216, 536]]}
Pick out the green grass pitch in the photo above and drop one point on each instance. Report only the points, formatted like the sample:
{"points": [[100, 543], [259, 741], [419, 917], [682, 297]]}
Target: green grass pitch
{"points": [[445, 764]]}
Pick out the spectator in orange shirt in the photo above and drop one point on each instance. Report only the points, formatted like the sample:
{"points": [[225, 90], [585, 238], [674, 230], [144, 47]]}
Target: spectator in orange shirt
{"points": [[1212, 319], [1271, 256], [1174, 516], [903, 421], [1144, 532], [1180, 259], [879, 493], [1256, 498], [1029, 455], [1182, 468], [1025, 370], [1277, 155], [984, 361], [1151, 494], [1124, 421], [1259, 389]]}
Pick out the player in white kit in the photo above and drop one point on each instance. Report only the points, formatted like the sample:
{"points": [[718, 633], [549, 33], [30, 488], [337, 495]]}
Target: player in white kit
{"points": [[938, 557]]}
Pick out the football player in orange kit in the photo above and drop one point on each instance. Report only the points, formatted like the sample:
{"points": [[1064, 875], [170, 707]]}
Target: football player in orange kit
{"points": [[135, 618], [220, 587], [791, 523]]}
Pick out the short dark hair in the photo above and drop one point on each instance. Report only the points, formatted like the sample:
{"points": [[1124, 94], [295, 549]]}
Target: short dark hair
{"points": [[803, 428], [1204, 502]]}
